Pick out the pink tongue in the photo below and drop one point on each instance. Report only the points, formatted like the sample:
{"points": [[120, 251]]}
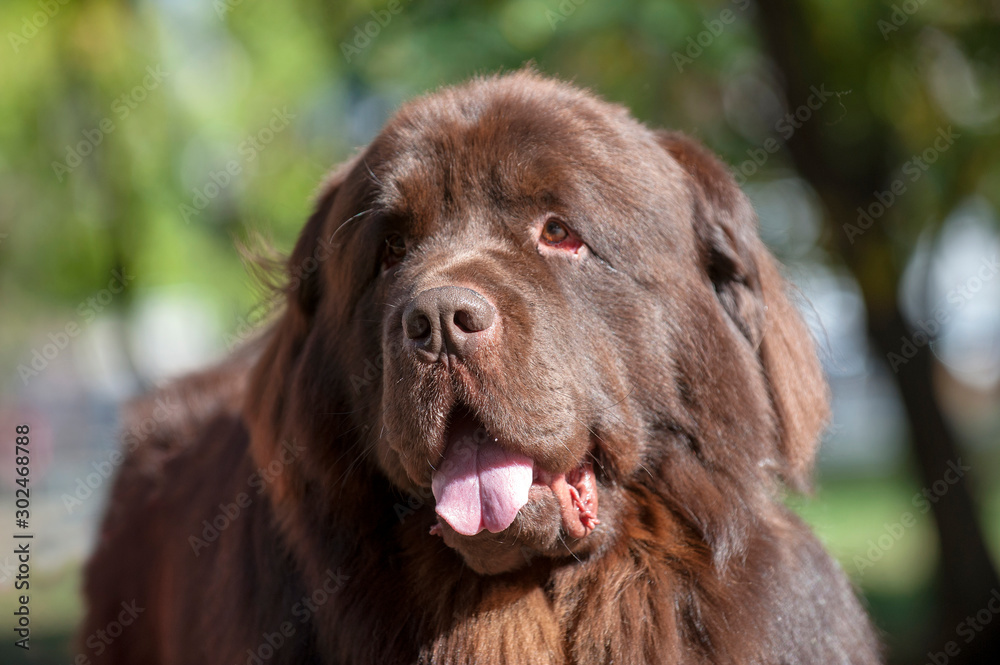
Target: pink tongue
{"points": [[479, 485]]}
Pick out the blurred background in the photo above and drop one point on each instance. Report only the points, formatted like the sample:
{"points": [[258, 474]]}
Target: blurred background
{"points": [[140, 141]]}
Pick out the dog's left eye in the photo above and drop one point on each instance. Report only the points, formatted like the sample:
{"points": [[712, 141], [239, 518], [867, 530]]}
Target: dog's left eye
{"points": [[557, 235], [394, 250]]}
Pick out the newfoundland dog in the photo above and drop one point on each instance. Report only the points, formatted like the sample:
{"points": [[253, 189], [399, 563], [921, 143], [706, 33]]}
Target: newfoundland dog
{"points": [[534, 395]]}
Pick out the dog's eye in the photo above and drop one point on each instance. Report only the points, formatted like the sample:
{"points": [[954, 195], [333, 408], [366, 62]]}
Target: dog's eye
{"points": [[556, 235], [554, 232], [394, 250]]}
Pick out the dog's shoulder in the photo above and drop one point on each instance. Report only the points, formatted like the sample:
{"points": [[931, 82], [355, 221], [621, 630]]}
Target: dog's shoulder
{"points": [[166, 422]]}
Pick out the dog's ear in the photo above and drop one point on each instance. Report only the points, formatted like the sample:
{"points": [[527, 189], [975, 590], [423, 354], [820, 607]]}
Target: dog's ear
{"points": [[269, 388], [753, 294], [304, 275]]}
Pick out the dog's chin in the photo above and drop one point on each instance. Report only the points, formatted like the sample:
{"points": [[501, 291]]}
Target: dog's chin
{"points": [[536, 532]]}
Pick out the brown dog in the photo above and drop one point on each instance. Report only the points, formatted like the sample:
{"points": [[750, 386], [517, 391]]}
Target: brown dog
{"points": [[532, 399]]}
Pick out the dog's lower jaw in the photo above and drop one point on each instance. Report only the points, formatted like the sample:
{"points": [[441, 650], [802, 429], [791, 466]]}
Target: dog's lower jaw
{"points": [[485, 556]]}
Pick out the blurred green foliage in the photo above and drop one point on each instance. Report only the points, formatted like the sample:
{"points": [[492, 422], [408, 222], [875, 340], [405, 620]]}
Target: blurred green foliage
{"points": [[230, 64]]}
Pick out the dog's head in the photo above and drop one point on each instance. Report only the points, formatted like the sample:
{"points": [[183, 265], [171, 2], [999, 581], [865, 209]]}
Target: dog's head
{"points": [[525, 303]]}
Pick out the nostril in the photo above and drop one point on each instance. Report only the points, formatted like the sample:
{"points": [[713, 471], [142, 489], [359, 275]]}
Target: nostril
{"points": [[465, 322], [473, 313], [417, 326]]}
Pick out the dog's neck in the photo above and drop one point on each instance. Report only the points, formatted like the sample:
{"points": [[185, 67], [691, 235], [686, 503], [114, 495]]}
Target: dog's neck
{"points": [[419, 602]]}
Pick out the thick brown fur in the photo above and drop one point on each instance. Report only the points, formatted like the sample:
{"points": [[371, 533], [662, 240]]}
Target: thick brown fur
{"points": [[666, 352]]}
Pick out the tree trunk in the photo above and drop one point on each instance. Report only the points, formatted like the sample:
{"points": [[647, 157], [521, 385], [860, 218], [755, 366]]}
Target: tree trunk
{"points": [[966, 575]]}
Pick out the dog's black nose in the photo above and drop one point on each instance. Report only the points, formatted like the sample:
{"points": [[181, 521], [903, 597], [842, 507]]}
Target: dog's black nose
{"points": [[450, 319]]}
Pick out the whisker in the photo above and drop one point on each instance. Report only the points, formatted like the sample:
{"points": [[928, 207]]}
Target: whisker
{"points": [[571, 552], [371, 173], [348, 220]]}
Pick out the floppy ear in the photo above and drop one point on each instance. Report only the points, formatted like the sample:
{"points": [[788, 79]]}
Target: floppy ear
{"points": [[270, 381], [752, 292]]}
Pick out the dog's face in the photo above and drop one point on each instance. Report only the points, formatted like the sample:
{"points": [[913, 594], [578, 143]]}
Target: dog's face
{"points": [[533, 307]]}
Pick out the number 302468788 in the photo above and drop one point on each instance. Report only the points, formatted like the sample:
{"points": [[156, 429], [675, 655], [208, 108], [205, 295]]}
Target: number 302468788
{"points": [[22, 493]]}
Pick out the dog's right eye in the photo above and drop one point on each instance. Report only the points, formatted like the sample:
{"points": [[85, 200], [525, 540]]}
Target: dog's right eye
{"points": [[393, 251]]}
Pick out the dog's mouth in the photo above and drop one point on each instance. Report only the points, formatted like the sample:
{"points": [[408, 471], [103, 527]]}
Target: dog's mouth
{"points": [[480, 484]]}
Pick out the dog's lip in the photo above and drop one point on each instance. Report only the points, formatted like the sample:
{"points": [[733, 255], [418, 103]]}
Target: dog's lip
{"points": [[576, 493]]}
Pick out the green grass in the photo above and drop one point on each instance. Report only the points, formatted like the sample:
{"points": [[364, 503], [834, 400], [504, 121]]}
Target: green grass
{"points": [[896, 578], [884, 542]]}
